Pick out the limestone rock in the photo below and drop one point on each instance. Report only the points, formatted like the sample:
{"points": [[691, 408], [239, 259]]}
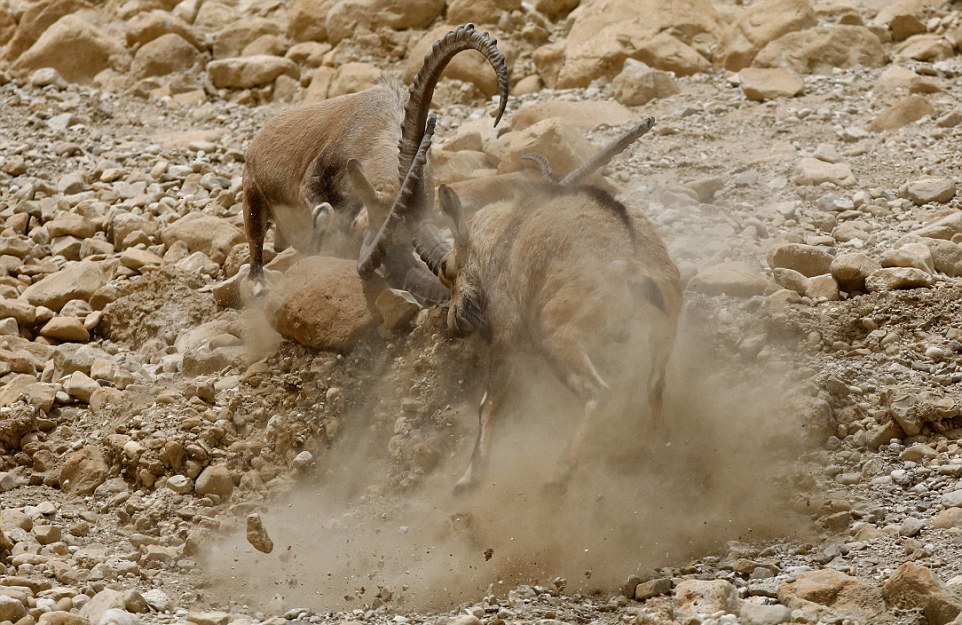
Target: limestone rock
{"points": [[307, 19], [216, 480], [929, 190], [479, 11], [762, 84], [637, 84], [889, 279], [850, 270], [732, 278], [347, 16], [904, 112], [606, 32], [808, 260], [585, 115], [925, 47], [666, 52], [83, 471], [758, 25], [256, 534], [944, 228], [324, 304], [231, 40], [818, 50], [75, 281], [813, 171], [145, 27], [834, 589], [564, 146], [912, 587], [470, 68], [77, 49], [352, 78], [397, 309], [250, 71], [210, 235], [555, 8], [164, 55], [946, 256], [66, 329], [11, 609], [694, 597], [36, 19]]}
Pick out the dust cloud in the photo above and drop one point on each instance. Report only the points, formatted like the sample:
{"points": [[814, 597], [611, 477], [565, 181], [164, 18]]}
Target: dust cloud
{"points": [[347, 538]]}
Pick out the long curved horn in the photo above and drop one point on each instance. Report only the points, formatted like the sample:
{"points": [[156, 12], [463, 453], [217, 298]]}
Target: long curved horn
{"points": [[373, 248], [422, 87], [547, 172], [607, 153]]}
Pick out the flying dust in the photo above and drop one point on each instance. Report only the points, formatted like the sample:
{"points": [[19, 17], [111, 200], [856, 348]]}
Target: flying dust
{"points": [[349, 537]]}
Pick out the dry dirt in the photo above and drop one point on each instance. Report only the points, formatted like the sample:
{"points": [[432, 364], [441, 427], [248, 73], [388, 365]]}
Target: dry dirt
{"points": [[772, 402]]}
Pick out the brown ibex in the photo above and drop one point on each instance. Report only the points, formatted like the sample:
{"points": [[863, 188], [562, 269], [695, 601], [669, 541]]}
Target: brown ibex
{"points": [[567, 272], [296, 172]]}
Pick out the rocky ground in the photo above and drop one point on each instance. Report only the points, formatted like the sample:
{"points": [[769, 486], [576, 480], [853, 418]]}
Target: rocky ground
{"points": [[803, 173]]}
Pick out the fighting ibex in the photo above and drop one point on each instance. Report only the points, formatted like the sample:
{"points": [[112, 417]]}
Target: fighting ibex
{"points": [[296, 172], [567, 272]]}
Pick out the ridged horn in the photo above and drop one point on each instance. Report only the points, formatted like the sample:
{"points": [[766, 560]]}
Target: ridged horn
{"points": [[373, 248], [607, 153], [422, 87], [543, 164]]}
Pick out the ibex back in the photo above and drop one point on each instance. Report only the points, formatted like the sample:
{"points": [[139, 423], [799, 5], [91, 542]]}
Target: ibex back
{"points": [[574, 276], [297, 169]]}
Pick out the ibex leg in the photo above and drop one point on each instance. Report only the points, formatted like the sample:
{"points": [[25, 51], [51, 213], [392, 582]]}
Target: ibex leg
{"points": [[492, 405], [255, 223]]}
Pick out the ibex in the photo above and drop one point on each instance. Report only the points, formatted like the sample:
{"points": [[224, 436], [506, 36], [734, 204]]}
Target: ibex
{"points": [[296, 172], [561, 270]]}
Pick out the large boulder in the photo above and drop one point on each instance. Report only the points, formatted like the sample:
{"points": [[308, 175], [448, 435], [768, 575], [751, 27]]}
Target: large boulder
{"points": [[211, 235], [759, 25], [36, 19], [324, 304], [83, 471], [75, 281], [245, 72], [307, 19], [471, 68], [347, 16], [145, 27], [819, 50], [77, 49], [231, 40], [606, 32], [167, 54]]}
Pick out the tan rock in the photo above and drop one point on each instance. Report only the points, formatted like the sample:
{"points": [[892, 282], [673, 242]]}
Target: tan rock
{"points": [[70, 224], [850, 270], [214, 480], [822, 288], [211, 235], [145, 27], [75, 281], [834, 589], [925, 47], [250, 71], [307, 19], [24, 312], [808, 260], [914, 587], [638, 84], [479, 11], [606, 32], [80, 386], [36, 19], [819, 50], [164, 55], [231, 40], [269, 45], [77, 49], [905, 18], [896, 78], [929, 190], [66, 329], [757, 26], [347, 16], [892, 278], [324, 304], [585, 115], [904, 112], [548, 60], [813, 171], [60, 617], [257, 535], [83, 471], [556, 8], [451, 167], [397, 308], [733, 278], [352, 78], [694, 597], [309, 54], [470, 68], [762, 84], [948, 519], [946, 256], [564, 146]]}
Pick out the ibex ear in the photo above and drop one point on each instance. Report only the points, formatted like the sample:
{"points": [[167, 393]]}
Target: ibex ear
{"points": [[364, 190], [451, 206]]}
